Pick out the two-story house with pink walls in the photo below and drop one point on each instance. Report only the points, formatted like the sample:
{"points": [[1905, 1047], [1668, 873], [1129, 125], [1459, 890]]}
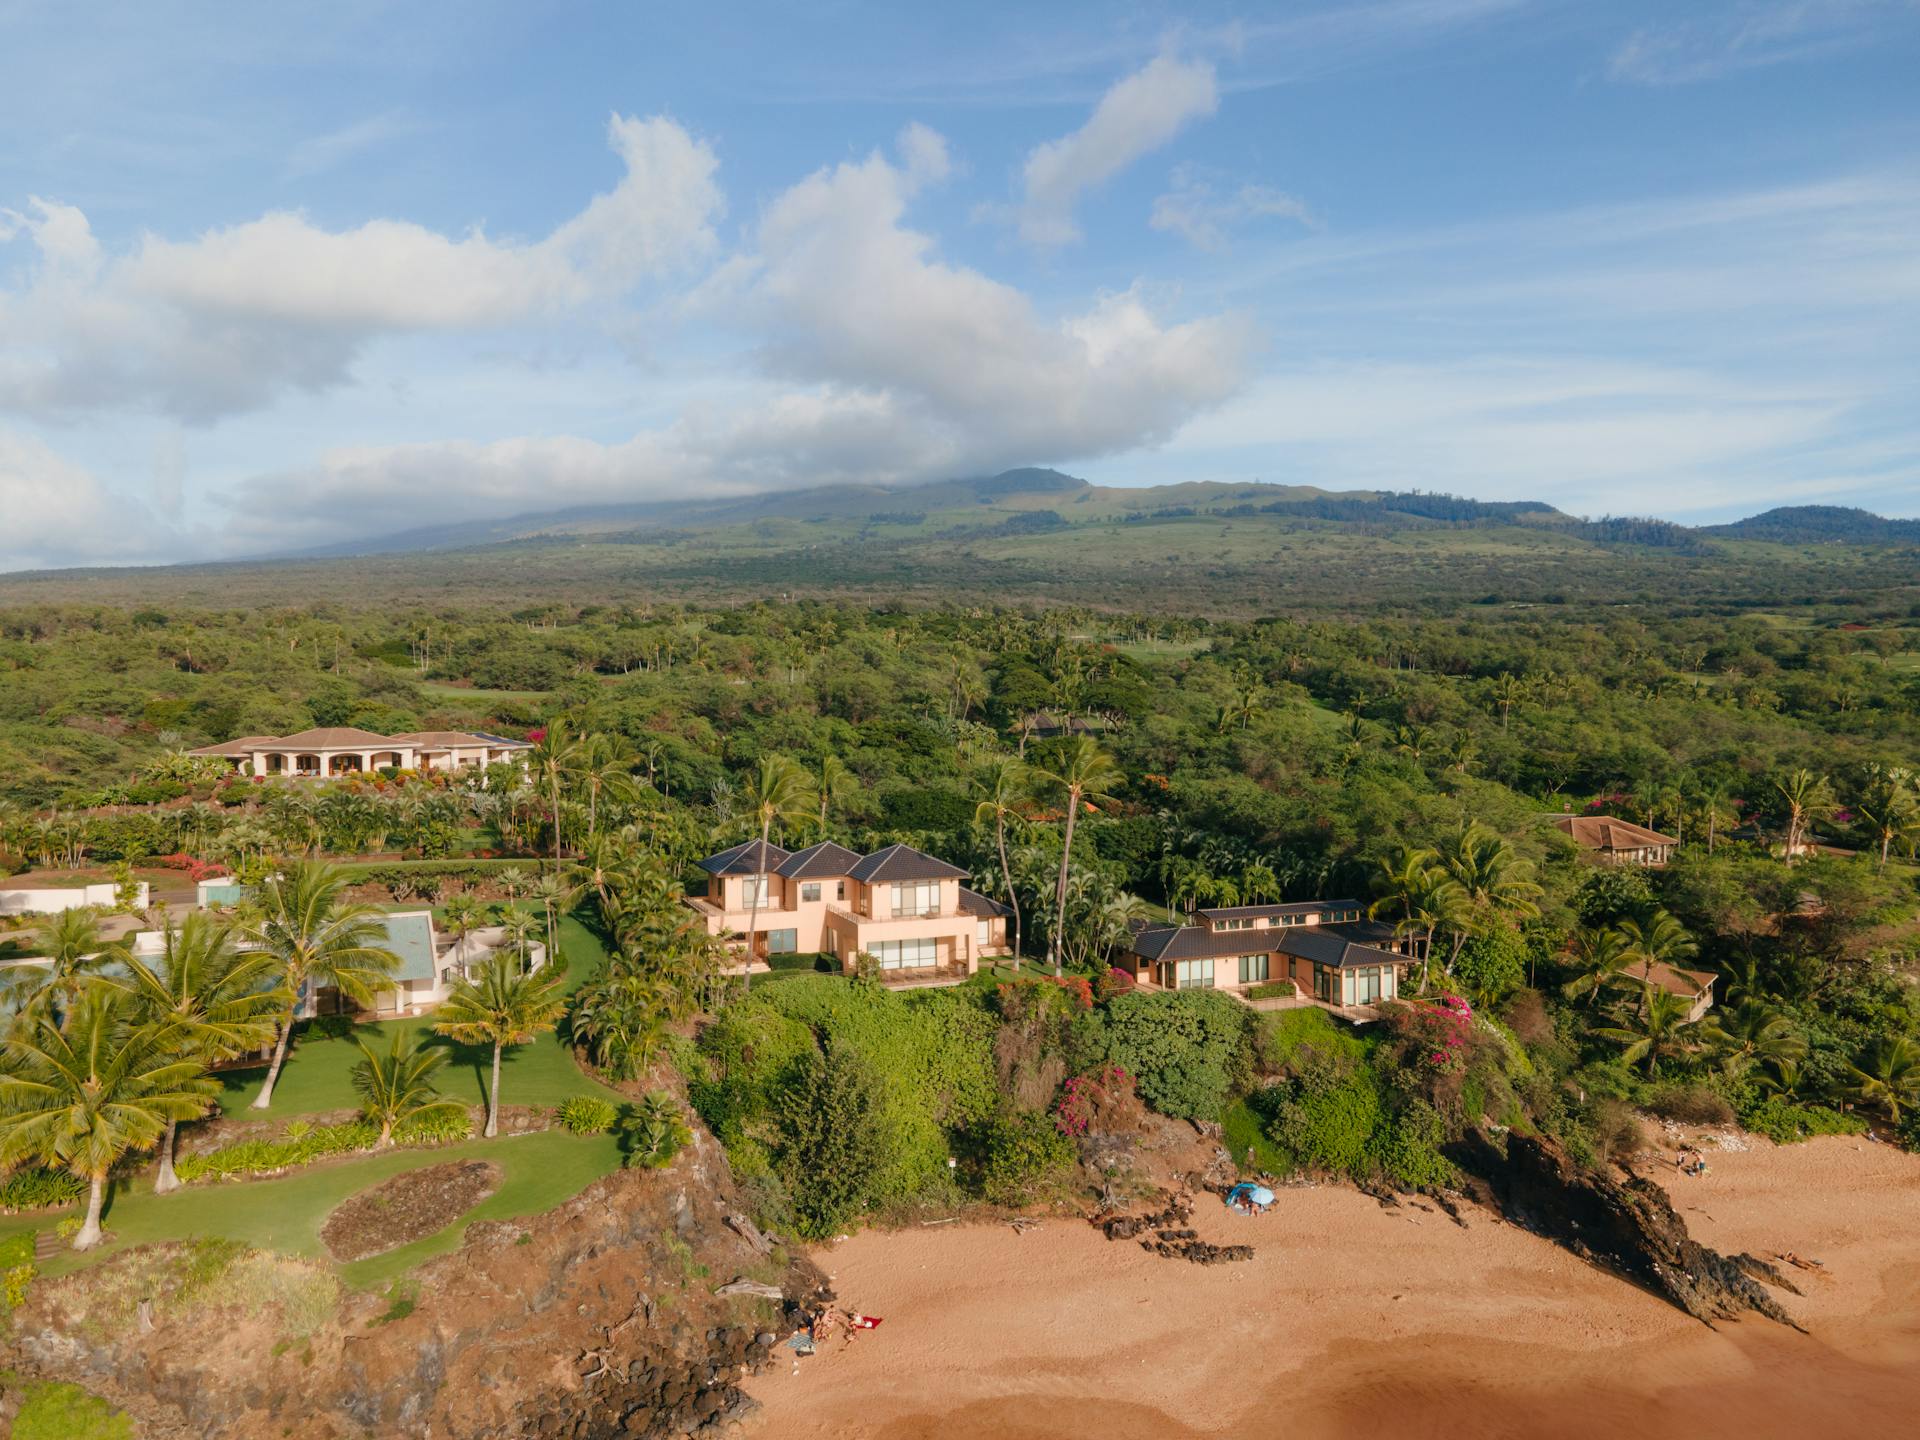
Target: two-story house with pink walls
{"points": [[905, 908]]}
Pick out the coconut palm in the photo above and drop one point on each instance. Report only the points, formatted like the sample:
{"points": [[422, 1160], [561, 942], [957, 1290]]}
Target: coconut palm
{"points": [[555, 897], [1603, 956], [221, 1002], [552, 762], [606, 767], [79, 1099], [1652, 1033], [1083, 773], [1751, 1033], [70, 944], [781, 792], [1495, 885], [315, 938], [396, 1084], [834, 783], [1886, 1075], [1508, 690], [504, 1006], [464, 914], [1808, 797], [518, 926], [1662, 940], [1005, 785], [1889, 807]]}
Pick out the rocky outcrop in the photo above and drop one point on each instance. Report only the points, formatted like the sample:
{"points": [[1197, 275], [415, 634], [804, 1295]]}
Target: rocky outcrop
{"points": [[595, 1321], [1629, 1226]]}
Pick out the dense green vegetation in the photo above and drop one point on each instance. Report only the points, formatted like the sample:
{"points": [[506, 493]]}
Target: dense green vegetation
{"points": [[1096, 771]]}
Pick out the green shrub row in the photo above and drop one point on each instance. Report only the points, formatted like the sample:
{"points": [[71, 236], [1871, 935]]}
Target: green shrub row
{"points": [[302, 1144], [40, 1190]]}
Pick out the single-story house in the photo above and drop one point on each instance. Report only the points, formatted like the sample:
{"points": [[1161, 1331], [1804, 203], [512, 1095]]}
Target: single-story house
{"points": [[1693, 986], [26, 898], [1614, 841], [906, 909], [1326, 950], [344, 750]]}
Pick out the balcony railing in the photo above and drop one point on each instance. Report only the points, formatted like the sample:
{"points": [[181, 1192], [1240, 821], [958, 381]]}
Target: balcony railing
{"points": [[909, 913]]}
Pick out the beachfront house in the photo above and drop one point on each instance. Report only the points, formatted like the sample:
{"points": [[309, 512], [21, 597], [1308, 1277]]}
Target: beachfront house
{"points": [[344, 750], [1613, 841], [1320, 952], [904, 908], [1693, 986]]}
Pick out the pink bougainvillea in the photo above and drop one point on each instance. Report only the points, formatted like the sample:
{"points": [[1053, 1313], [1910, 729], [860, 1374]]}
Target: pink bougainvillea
{"points": [[1084, 1096]]}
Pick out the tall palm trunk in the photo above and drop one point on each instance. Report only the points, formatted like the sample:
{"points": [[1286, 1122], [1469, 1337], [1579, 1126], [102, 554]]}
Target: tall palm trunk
{"points": [[493, 1098], [1013, 897], [1060, 890], [89, 1235], [556, 819], [762, 880], [166, 1181], [265, 1097]]}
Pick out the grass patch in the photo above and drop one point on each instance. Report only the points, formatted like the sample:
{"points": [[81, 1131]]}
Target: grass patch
{"points": [[55, 1410], [1286, 1032], [318, 1075], [539, 1172], [1241, 1133]]}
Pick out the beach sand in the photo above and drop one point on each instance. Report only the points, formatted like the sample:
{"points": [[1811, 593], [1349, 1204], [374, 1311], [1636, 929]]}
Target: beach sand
{"points": [[1353, 1320]]}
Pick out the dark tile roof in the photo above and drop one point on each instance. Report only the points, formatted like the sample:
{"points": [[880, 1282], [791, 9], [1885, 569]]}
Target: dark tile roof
{"points": [[1327, 946], [1307, 907], [1337, 945], [745, 859], [972, 902], [819, 862], [903, 862]]}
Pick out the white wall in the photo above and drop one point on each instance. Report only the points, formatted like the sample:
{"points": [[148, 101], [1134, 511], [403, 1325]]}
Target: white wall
{"points": [[52, 900]]}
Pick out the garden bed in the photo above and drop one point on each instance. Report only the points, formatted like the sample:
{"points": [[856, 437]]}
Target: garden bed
{"points": [[409, 1207]]}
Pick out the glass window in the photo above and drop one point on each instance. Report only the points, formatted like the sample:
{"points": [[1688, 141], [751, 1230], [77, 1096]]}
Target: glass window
{"points": [[810, 892], [753, 891], [905, 954], [916, 897], [839, 889], [782, 942], [1366, 985], [983, 933], [1194, 975], [1253, 969]]}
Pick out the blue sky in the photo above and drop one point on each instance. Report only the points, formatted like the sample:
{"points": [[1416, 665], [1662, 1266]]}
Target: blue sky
{"points": [[273, 279]]}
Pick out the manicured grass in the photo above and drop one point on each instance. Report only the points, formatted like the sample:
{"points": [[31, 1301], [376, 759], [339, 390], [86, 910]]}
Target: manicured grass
{"points": [[55, 1410], [286, 1213], [318, 1075]]}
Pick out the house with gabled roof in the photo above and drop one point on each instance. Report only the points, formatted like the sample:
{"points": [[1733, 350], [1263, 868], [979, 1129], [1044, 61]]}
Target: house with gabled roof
{"points": [[907, 911], [1317, 952]]}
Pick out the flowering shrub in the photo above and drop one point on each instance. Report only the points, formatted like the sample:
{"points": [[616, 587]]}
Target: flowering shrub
{"points": [[1083, 1097], [1439, 1032]]}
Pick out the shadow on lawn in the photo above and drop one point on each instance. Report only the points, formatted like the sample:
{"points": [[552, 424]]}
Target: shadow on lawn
{"points": [[467, 1067]]}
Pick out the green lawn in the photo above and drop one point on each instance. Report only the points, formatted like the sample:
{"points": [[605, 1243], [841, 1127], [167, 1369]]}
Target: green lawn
{"points": [[286, 1213], [318, 1073]]}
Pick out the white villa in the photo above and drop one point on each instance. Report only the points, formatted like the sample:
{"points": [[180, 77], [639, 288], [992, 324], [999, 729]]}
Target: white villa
{"points": [[343, 750]]}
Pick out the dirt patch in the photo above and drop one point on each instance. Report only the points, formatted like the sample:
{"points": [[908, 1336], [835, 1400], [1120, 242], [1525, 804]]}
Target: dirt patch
{"points": [[408, 1207]]}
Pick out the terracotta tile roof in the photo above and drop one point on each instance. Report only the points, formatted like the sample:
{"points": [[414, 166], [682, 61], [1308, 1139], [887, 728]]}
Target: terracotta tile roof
{"points": [[1690, 984], [245, 745], [1606, 832]]}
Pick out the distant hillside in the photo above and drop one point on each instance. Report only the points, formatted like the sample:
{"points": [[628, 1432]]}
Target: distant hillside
{"points": [[1820, 525]]}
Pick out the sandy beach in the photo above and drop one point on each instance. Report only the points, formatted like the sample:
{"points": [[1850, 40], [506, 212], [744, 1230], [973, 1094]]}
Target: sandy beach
{"points": [[1353, 1320]]}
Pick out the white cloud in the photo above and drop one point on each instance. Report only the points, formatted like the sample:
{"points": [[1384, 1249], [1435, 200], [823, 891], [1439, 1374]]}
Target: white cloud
{"points": [[1205, 217], [1137, 116], [882, 363], [58, 513], [1750, 37], [231, 319]]}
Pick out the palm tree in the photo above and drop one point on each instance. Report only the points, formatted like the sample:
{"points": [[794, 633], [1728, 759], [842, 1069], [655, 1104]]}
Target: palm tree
{"points": [[1713, 802], [1663, 940], [1508, 691], [503, 1007], [779, 791], [1005, 784], [71, 945], [1751, 1033], [397, 1084], [315, 938], [552, 761], [1890, 807], [80, 1098], [1652, 1033], [1495, 885], [555, 897], [518, 926], [606, 766], [1808, 797], [624, 1014], [834, 782], [1083, 773], [1887, 1075], [464, 914], [1603, 955], [220, 1001]]}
